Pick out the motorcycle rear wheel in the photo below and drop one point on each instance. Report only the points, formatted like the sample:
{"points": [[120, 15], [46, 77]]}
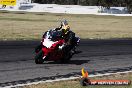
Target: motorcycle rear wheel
{"points": [[39, 57], [67, 57]]}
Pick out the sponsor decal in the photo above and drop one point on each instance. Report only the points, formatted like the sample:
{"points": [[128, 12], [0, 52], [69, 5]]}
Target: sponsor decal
{"points": [[8, 2], [86, 81]]}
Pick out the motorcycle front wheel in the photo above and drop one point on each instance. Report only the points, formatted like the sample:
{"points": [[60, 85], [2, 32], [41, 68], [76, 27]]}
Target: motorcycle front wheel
{"points": [[39, 57]]}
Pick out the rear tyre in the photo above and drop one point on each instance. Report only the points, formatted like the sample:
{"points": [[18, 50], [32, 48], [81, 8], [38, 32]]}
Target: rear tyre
{"points": [[39, 57], [67, 57]]}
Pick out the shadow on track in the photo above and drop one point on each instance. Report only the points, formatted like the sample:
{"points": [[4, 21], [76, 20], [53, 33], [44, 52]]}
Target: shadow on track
{"points": [[76, 62]]}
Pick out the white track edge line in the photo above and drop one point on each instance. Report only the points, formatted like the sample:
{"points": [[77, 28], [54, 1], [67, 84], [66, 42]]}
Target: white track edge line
{"points": [[64, 79]]}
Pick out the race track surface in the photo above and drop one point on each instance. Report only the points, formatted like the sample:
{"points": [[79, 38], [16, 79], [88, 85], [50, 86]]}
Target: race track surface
{"points": [[97, 56]]}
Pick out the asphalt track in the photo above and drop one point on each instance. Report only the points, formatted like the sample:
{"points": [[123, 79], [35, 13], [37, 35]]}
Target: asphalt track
{"points": [[17, 65]]}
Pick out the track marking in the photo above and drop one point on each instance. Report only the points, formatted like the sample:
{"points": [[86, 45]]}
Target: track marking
{"points": [[64, 79]]}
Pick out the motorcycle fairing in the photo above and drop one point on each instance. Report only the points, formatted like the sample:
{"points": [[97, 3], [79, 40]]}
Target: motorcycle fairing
{"points": [[48, 43]]}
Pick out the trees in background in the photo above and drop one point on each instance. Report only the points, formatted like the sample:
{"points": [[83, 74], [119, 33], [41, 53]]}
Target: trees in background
{"points": [[128, 4], [104, 3], [67, 2], [117, 3]]}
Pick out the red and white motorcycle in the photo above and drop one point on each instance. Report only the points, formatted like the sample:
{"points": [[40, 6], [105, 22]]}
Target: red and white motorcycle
{"points": [[53, 48]]}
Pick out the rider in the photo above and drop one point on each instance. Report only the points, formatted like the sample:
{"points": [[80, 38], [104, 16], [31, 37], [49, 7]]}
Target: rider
{"points": [[67, 34], [65, 29], [63, 24]]}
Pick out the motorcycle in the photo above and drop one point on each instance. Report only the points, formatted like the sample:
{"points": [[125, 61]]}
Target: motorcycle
{"points": [[54, 48]]}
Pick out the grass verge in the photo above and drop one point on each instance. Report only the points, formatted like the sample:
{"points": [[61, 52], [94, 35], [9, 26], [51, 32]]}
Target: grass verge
{"points": [[28, 26], [76, 84]]}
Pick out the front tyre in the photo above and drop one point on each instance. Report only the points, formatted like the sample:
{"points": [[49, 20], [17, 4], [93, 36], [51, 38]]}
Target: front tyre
{"points": [[39, 57], [38, 48]]}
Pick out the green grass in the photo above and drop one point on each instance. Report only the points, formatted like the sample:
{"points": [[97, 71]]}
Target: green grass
{"points": [[28, 26], [76, 84]]}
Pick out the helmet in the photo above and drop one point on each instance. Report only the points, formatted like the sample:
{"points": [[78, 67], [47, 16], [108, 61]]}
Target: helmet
{"points": [[64, 22], [65, 26]]}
